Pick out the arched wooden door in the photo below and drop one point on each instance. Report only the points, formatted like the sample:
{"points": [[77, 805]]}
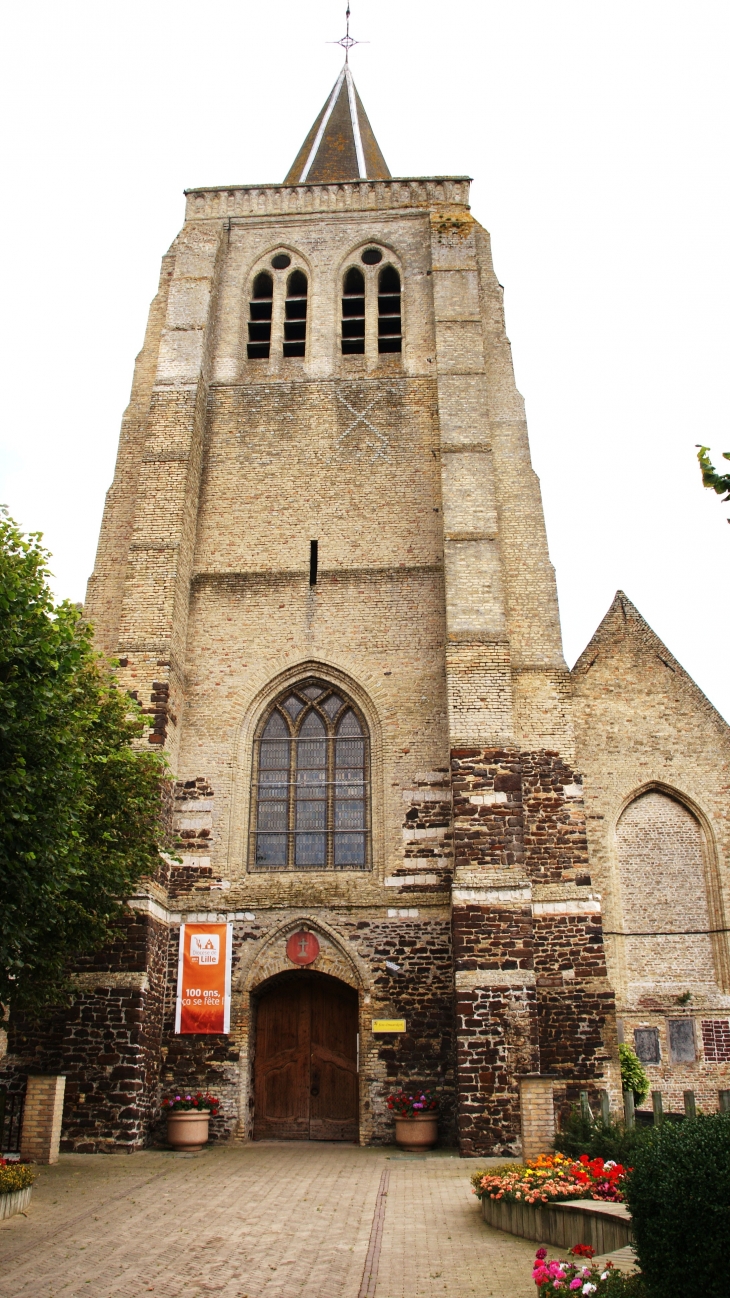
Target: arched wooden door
{"points": [[305, 1066]]}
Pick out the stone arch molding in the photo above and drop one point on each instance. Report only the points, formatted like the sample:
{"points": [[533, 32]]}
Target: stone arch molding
{"points": [[269, 957], [299, 261], [352, 257], [243, 754], [669, 791]]}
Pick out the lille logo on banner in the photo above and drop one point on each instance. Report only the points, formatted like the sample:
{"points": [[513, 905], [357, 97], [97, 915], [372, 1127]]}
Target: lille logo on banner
{"points": [[204, 978]]}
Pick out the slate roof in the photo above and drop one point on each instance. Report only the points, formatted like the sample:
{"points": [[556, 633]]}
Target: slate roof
{"points": [[340, 145]]}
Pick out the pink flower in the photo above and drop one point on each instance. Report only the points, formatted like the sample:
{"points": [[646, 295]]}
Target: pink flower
{"points": [[575, 1284]]}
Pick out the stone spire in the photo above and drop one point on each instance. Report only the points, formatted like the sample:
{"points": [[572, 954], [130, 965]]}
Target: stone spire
{"points": [[341, 144]]}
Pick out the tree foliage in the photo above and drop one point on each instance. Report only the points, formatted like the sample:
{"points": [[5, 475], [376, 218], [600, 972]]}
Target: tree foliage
{"points": [[633, 1077], [719, 482], [82, 817]]}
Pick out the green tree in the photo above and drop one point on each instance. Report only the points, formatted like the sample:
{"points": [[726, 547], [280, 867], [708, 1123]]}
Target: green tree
{"points": [[82, 818], [719, 482], [633, 1077]]}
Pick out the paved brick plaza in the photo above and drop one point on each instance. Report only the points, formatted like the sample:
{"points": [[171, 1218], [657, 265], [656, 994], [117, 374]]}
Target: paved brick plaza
{"points": [[260, 1221]]}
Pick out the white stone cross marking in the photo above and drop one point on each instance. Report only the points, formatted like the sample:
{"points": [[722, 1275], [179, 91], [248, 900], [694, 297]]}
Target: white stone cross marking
{"points": [[381, 451]]}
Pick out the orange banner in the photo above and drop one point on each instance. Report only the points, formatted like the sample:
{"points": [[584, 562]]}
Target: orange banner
{"points": [[204, 978]]}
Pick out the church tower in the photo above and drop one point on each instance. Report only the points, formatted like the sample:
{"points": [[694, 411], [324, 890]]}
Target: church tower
{"points": [[324, 572], [436, 857]]}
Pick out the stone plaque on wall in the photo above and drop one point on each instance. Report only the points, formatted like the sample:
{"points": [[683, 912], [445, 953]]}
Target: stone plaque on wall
{"points": [[646, 1041], [682, 1041]]}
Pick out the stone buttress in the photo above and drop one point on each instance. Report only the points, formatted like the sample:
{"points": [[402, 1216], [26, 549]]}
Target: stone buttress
{"points": [[532, 995]]}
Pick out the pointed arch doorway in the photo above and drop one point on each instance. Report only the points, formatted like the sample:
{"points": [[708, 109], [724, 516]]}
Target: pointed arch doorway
{"points": [[305, 1062]]}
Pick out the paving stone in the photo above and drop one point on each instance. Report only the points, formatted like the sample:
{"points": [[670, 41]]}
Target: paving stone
{"points": [[262, 1220]]}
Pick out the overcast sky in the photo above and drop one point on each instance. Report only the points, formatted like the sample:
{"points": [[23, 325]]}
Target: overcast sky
{"points": [[597, 136]]}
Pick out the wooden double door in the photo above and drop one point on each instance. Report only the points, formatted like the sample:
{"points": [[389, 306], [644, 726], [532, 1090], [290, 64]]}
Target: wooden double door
{"points": [[305, 1066]]}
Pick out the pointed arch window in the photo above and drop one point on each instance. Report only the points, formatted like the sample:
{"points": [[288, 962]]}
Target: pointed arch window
{"points": [[295, 314], [259, 317], [389, 313], [310, 805], [353, 313]]}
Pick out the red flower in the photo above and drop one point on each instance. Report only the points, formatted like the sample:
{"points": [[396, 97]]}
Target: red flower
{"points": [[583, 1250]]}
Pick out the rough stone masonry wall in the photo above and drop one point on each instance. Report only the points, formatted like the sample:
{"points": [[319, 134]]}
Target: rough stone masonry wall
{"points": [[419, 989], [532, 993], [106, 1042]]}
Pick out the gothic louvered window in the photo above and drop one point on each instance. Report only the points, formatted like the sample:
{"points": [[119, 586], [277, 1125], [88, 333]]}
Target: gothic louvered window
{"points": [[311, 791], [389, 316], [353, 313], [295, 314], [259, 317]]}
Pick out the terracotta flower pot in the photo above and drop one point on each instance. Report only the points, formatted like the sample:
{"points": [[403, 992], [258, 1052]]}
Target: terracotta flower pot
{"points": [[187, 1129], [417, 1133]]}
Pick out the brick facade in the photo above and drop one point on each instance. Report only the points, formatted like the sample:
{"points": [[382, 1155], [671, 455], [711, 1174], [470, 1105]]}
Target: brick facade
{"points": [[498, 778]]}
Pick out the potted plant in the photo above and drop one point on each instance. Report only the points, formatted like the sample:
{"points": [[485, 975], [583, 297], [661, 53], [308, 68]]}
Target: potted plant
{"points": [[416, 1119], [187, 1119], [16, 1187]]}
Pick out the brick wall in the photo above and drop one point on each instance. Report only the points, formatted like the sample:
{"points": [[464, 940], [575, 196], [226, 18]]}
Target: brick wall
{"points": [[656, 757], [532, 991]]}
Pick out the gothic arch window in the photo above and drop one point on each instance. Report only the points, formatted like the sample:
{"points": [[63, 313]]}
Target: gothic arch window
{"points": [[259, 317], [389, 313], [666, 911], [310, 804], [295, 314], [353, 313]]}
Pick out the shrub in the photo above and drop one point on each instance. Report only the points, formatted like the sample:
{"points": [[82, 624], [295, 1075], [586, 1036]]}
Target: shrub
{"points": [[633, 1077], [580, 1135], [620, 1284], [679, 1197], [15, 1176]]}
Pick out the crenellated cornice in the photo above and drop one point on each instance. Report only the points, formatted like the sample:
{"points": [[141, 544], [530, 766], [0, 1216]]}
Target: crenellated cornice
{"points": [[209, 204]]}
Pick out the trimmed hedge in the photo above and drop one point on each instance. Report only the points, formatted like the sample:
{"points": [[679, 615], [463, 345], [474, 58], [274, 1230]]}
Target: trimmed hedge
{"points": [[679, 1198]]}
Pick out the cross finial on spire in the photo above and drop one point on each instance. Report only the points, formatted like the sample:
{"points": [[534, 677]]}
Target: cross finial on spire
{"points": [[347, 40], [340, 144]]}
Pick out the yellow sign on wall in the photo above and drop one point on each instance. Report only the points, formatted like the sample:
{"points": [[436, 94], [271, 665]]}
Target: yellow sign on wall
{"points": [[389, 1025]]}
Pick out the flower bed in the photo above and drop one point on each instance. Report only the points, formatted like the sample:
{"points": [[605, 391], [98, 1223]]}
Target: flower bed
{"points": [[552, 1179], [581, 1276]]}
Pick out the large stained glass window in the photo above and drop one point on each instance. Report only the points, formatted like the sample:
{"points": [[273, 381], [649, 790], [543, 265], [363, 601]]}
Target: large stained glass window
{"points": [[311, 789]]}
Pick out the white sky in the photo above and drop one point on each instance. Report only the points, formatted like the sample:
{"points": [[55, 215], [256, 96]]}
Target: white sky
{"points": [[597, 138]]}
